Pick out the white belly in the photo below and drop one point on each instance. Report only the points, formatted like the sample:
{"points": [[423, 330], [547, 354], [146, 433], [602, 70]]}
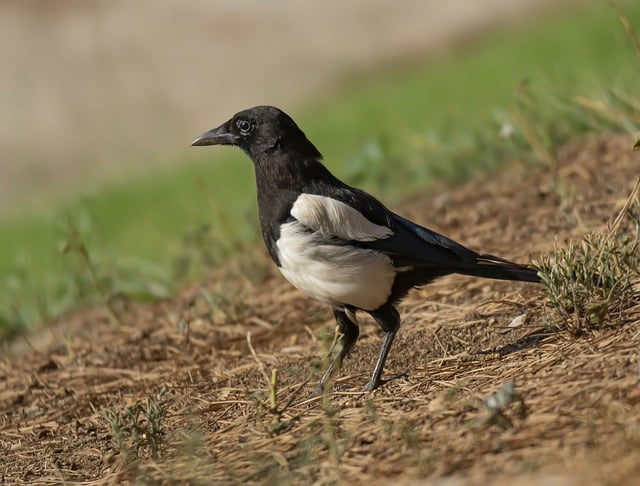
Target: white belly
{"points": [[335, 274]]}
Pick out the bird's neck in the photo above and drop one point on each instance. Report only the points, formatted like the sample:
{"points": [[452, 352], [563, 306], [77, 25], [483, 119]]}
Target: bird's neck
{"points": [[280, 181], [289, 173]]}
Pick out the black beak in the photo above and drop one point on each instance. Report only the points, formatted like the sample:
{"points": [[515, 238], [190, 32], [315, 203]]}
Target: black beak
{"points": [[217, 136]]}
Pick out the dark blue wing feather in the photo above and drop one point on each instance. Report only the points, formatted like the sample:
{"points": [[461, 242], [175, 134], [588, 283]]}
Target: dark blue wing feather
{"points": [[415, 245]]}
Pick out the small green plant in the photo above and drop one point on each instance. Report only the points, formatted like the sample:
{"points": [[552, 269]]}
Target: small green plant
{"points": [[76, 243], [91, 274], [136, 427], [277, 424], [497, 403], [201, 249], [592, 283]]}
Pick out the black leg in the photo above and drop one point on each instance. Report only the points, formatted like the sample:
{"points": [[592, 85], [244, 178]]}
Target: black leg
{"points": [[350, 333], [388, 319]]}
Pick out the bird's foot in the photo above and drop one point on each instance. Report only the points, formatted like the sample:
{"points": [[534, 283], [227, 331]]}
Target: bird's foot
{"points": [[320, 391], [373, 384], [370, 386]]}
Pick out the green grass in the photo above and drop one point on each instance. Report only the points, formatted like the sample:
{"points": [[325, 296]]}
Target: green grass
{"points": [[391, 132], [594, 283]]}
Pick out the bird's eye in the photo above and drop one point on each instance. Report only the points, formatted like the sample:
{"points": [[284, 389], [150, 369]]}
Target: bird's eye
{"points": [[244, 126]]}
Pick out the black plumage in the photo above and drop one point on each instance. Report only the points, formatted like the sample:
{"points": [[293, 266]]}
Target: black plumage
{"points": [[336, 242]]}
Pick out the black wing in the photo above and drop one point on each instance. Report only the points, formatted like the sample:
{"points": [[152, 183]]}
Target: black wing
{"points": [[409, 244]]}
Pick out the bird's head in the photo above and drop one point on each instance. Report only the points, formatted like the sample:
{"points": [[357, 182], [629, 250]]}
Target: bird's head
{"points": [[259, 131]]}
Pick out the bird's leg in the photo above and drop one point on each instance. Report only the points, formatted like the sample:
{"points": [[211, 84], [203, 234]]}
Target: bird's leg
{"points": [[388, 319], [349, 332]]}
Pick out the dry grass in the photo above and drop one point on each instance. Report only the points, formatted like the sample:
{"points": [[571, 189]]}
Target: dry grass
{"points": [[175, 394], [595, 283]]}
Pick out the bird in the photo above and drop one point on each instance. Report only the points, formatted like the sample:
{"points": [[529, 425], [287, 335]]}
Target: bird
{"points": [[337, 243]]}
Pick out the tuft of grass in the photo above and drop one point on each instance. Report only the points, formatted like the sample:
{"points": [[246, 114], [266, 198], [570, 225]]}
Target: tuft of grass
{"points": [[137, 427], [593, 283], [75, 243]]}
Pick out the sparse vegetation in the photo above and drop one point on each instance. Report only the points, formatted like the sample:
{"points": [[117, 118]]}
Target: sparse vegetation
{"points": [[594, 283], [136, 428]]}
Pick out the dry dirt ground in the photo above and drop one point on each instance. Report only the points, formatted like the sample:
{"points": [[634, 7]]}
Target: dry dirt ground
{"points": [[173, 392]]}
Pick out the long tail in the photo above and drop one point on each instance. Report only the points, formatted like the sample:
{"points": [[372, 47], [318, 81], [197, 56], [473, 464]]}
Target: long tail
{"points": [[490, 266]]}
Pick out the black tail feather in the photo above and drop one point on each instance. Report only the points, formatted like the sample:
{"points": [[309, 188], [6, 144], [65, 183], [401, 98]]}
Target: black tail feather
{"points": [[490, 266]]}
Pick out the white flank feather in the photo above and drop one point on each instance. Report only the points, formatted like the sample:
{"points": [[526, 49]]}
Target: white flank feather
{"points": [[331, 272]]}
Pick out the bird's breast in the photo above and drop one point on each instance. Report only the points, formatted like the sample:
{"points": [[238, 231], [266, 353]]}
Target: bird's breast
{"points": [[332, 270]]}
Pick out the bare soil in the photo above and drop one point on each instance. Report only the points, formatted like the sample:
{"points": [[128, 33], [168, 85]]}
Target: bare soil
{"points": [[63, 393]]}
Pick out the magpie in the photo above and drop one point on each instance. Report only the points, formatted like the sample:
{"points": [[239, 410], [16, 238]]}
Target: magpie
{"points": [[337, 243]]}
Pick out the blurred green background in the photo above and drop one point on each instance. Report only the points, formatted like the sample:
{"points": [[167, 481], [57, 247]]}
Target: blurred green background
{"points": [[102, 196]]}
